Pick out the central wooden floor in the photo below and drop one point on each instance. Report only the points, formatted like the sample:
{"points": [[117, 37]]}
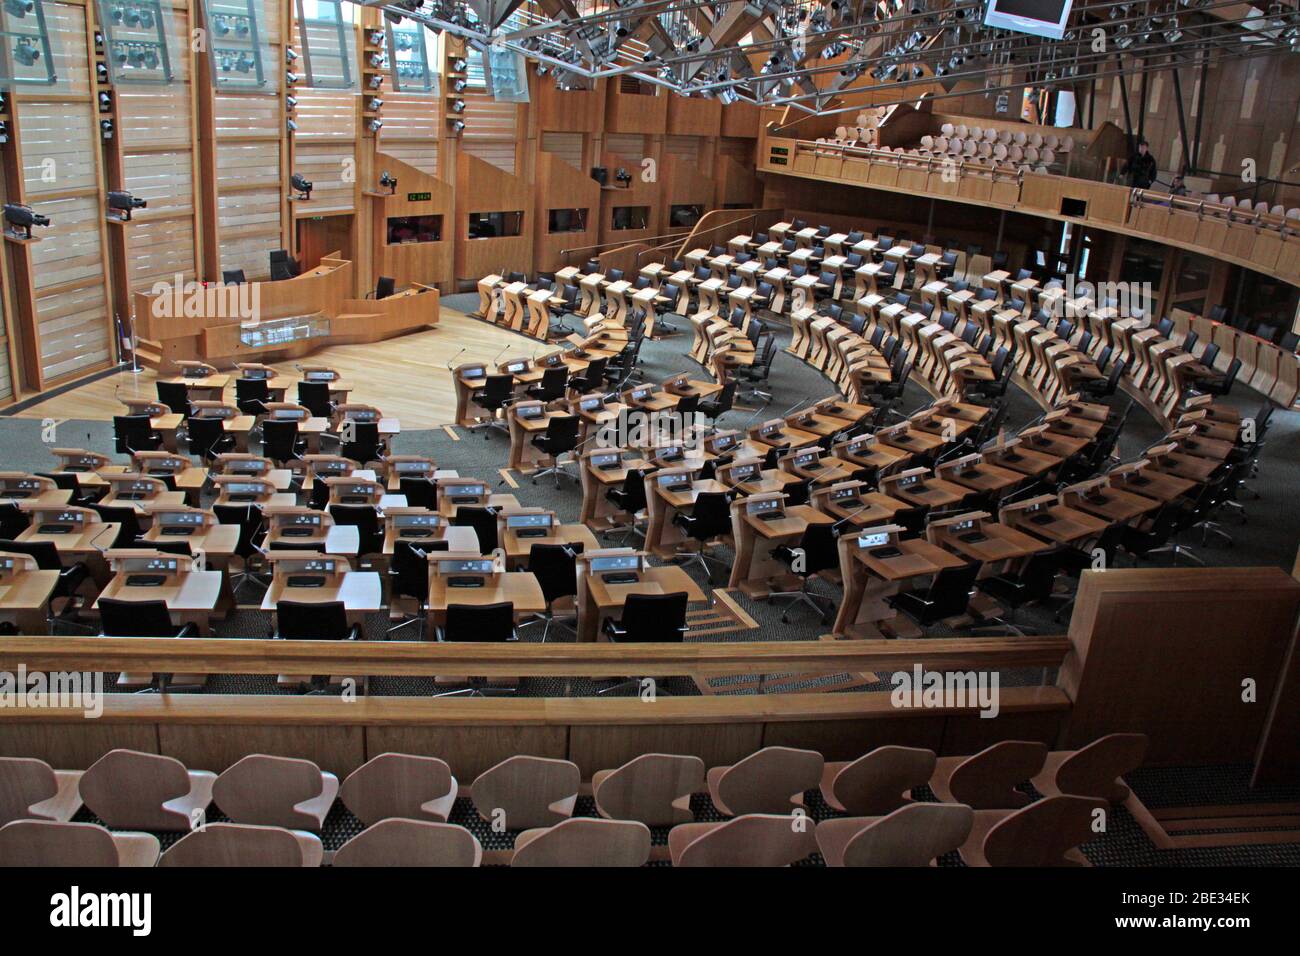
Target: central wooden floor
{"points": [[406, 377]]}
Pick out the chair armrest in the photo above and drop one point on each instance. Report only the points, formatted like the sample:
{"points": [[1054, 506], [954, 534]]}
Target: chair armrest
{"points": [[189, 630], [354, 633]]}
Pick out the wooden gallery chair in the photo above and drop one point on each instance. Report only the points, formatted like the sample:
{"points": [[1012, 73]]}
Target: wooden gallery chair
{"points": [[772, 780], [757, 839], [1045, 833], [59, 843], [130, 790], [988, 780], [276, 792], [1093, 771], [400, 785], [654, 789], [240, 844], [527, 792], [32, 790], [876, 783], [584, 841], [914, 835], [411, 843]]}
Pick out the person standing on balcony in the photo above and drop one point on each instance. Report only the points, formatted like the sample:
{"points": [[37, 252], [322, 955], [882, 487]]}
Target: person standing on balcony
{"points": [[1141, 167]]}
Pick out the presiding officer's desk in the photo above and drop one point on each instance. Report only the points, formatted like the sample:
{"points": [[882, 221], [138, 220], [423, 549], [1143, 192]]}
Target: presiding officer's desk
{"points": [[308, 577], [854, 505], [426, 530], [31, 491], [759, 524], [606, 578], [25, 592], [603, 469], [518, 529], [874, 564], [1044, 517], [669, 491]]}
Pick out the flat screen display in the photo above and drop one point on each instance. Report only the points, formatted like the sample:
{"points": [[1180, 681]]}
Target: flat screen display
{"points": [[1042, 18]]}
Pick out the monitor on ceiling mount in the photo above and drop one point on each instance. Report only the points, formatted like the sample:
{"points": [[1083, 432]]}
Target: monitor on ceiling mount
{"points": [[1043, 18]]}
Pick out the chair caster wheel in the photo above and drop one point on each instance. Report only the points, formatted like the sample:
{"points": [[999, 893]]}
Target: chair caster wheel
{"points": [[785, 619]]}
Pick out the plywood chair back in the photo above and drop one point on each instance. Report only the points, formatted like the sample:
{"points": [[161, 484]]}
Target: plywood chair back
{"points": [[757, 839], [987, 780], [1094, 770], [767, 781], [584, 841], [527, 792], [46, 843], [400, 785], [652, 788], [268, 791], [24, 782], [128, 789], [241, 844], [1044, 833], [876, 782], [911, 836], [411, 843]]}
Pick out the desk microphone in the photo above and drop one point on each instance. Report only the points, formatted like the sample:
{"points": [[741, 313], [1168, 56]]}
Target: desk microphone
{"points": [[499, 354], [454, 357], [848, 517]]}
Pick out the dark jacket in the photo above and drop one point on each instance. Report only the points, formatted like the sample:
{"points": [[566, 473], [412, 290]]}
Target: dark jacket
{"points": [[1141, 170]]}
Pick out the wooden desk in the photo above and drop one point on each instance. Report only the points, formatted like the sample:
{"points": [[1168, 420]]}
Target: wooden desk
{"points": [[25, 599], [754, 570], [520, 588], [191, 596], [984, 477], [662, 535], [459, 538], [52, 498], [1068, 525], [1000, 543], [598, 600], [869, 580], [929, 492], [362, 593], [517, 549], [1119, 506]]}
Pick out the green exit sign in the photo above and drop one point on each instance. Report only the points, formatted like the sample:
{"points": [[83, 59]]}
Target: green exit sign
{"points": [[418, 197]]}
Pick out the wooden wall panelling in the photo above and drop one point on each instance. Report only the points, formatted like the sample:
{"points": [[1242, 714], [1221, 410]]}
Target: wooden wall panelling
{"points": [[430, 263], [560, 185], [740, 119], [632, 112], [481, 187], [1165, 653], [684, 183], [693, 116], [637, 193], [580, 111]]}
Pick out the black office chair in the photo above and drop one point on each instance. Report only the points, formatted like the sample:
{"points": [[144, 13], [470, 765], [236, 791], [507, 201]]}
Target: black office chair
{"points": [[283, 265], [561, 437], [71, 578], [948, 595], [132, 433], [715, 408], [1219, 384], [145, 619], [497, 392], [311, 621], [125, 517], [1104, 387], [13, 520], [251, 395], [419, 492], [364, 445], [816, 552], [176, 396], [709, 518], [248, 518], [568, 305], [208, 438], [555, 568], [281, 442], [647, 618], [479, 623], [384, 287], [552, 386], [315, 397], [592, 378], [1033, 585], [484, 523], [233, 276], [631, 499], [408, 577], [759, 372], [366, 520]]}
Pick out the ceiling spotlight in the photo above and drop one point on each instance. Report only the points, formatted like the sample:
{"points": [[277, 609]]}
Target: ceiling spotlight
{"points": [[457, 106], [388, 181], [374, 124]]}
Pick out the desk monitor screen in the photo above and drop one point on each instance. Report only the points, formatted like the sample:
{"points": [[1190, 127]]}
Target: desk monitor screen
{"points": [[219, 412], [413, 467], [1042, 18], [82, 462], [616, 562], [255, 374], [529, 411], [7, 565], [290, 414], [675, 481], [466, 491], [245, 488], [744, 472], [910, 481], [606, 460], [363, 415], [332, 466], [641, 394], [806, 458], [358, 489], [312, 520], [723, 442], [763, 507], [24, 484], [844, 494], [774, 428], [671, 453], [591, 404], [474, 371], [473, 566], [194, 371], [193, 518], [319, 565], [416, 521], [875, 539], [246, 466], [682, 382], [528, 521], [157, 565], [553, 360], [514, 368], [65, 517], [966, 525], [320, 375]]}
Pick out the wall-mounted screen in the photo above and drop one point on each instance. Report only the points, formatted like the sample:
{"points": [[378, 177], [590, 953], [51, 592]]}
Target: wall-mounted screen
{"points": [[1042, 18]]}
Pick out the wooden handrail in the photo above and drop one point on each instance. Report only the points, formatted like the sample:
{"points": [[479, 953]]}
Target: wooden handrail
{"points": [[394, 658]]}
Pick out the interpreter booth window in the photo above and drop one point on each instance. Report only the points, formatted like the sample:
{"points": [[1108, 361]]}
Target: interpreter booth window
{"points": [[686, 214], [631, 217], [492, 225], [403, 230], [566, 220]]}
